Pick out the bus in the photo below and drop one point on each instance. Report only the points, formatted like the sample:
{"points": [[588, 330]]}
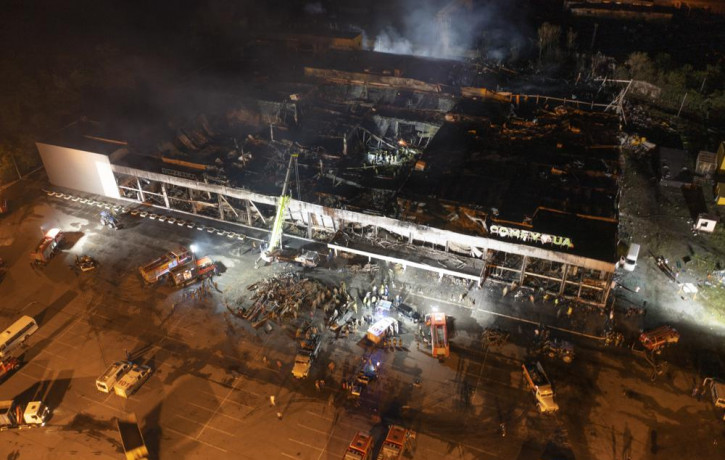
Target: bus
{"points": [[16, 334]]}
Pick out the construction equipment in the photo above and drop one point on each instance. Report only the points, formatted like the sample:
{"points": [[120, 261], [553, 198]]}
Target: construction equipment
{"points": [[109, 219], [48, 246], [398, 441], [275, 237], [193, 271], [717, 390], [540, 385], [554, 348], [131, 438], [85, 263], [159, 268], [308, 346], [366, 374], [438, 335], [658, 338], [17, 415], [361, 447], [9, 366]]}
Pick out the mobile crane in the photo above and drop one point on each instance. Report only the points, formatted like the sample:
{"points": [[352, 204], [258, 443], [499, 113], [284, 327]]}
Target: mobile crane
{"points": [[270, 251]]}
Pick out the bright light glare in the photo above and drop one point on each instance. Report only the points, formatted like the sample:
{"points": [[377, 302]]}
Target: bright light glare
{"points": [[193, 248]]}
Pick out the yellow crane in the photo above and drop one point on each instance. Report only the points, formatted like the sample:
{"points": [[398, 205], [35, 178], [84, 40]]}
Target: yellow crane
{"points": [[275, 236]]}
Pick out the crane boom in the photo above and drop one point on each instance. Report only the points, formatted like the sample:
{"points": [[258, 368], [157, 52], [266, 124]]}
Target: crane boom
{"points": [[275, 237]]}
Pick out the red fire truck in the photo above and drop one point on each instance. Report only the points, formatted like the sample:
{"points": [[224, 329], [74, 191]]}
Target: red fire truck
{"points": [[438, 335], [361, 448]]}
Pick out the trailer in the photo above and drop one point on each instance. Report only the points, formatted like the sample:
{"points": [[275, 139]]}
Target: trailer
{"points": [[658, 338], [538, 382], [131, 438], [160, 267]]}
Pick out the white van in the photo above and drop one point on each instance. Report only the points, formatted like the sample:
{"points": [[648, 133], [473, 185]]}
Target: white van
{"points": [[632, 255], [16, 334], [113, 374], [379, 330]]}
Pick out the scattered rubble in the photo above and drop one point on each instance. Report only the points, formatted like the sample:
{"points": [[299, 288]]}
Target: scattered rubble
{"points": [[285, 296]]}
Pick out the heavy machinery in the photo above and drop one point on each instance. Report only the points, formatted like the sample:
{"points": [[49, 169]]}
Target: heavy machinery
{"points": [[438, 335], [270, 250], [366, 374], [47, 247], [17, 415], [361, 447], [109, 219], [554, 347], [398, 441], [131, 438], [308, 346], [159, 268], [86, 263], [538, 382], [193, 271]]}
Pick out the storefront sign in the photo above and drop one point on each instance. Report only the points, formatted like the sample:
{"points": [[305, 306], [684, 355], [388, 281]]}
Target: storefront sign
{"points": [[525, 235]]}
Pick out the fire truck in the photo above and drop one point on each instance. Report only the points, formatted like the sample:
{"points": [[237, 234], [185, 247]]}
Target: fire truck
{"points": [[159, 268], [361, 448], [9, 366], [438, 335], [398, 441], [658, 338], [48, 246], [193, 271]]}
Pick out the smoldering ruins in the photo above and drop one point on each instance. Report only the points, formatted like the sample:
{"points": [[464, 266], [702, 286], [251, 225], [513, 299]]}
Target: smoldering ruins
{"points": [[443, 165]]}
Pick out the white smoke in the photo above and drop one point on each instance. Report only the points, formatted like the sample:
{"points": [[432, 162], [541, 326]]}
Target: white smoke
{"points": [[424, 31], [314, 8]]}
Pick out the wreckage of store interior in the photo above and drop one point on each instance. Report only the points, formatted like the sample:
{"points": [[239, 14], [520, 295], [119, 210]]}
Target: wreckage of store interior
{"points": [[407, 160]]}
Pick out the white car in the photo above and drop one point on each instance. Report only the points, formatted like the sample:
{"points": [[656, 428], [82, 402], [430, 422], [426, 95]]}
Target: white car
{"points": [[132, 380]]}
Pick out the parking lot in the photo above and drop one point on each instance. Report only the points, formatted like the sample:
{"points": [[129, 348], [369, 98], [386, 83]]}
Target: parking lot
{"points": [[209, 394]]}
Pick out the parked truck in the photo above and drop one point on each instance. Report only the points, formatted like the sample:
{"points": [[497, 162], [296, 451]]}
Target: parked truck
{"points": [[361, 447], [16, 415], [131, 438], [193, 271], [8, 366], [159, 268], [656, 339], [540, 385], [308, 346], [438, 335], [398, 441], [47, 247]]}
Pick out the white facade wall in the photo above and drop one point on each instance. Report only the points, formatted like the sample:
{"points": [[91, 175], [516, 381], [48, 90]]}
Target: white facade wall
{"points": [[79, 170]]}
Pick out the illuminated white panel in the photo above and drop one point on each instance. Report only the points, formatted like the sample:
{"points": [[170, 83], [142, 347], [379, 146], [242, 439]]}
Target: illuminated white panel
{"points": [[78, 170]]}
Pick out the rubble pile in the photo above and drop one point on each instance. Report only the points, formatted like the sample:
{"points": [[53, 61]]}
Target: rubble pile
{"points": [[284, 296]]}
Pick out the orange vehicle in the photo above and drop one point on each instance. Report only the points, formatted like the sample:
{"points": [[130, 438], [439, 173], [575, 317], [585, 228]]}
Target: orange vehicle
{"points": [[398, 441], [438, 334], [361, 447], [194, 271], [657, 338], [161, 267]]}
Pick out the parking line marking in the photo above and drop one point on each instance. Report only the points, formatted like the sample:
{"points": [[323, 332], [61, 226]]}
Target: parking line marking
{"points": [[210, 410], [193, 439], [199, 423], [308, 445], [101, 404], [287, 455]]}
